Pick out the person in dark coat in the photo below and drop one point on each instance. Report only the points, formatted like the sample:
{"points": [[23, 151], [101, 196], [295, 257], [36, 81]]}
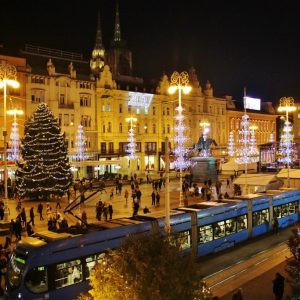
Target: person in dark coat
{"points": [[157, 198], [110, 211], [278, 286], [31, 215], [153, 198], [40, 211]]}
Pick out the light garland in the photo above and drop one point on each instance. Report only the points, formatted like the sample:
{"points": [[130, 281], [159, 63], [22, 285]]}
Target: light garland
{"points": [[248, 152], [181, 163], [286, 151], [15, 142], [272, 138], [131, 146], [231, 145], [80, 144]]}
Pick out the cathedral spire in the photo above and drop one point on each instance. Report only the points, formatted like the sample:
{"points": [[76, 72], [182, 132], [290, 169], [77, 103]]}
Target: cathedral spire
{"points": [[117, 32], [98, 53], [98, 43]]}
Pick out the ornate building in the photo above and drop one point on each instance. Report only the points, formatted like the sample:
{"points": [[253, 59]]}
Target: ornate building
{"points": [[100, 94]]}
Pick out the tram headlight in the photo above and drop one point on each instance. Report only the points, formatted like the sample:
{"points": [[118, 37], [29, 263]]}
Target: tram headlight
{"points": [[19, 295]]}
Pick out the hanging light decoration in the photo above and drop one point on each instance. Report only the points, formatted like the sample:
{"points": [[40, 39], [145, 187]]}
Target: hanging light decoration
{"points": [[131, 146], [231, 145], [80, 144], [272, 137], [15, 142], [286, 145]]}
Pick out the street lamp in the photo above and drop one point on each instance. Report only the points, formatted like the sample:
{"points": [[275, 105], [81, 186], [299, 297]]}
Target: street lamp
{"points": [[131, 145], [286, 104], [15, 138], [179, 82], [8, 76]]}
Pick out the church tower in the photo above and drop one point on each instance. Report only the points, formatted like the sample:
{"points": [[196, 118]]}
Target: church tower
{"points": [[98, 53], [119, 57]]}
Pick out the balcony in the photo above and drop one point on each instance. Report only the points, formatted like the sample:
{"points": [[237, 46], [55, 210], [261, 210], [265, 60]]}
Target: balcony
{"points": [[66, 105]]}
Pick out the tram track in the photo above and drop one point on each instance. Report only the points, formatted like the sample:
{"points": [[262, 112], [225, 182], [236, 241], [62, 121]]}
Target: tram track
{"points": [[228, 279]]}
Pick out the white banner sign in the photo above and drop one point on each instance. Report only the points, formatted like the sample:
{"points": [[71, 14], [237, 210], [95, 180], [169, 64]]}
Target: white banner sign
{"points": [[140, 99]]}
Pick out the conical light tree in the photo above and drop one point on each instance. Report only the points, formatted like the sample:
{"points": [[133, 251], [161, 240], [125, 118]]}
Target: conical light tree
{"points": [[80, 144], [231, 145], [45, 167], [286, 145], [15, 142]]}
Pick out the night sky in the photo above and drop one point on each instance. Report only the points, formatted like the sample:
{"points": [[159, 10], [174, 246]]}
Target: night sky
{"points": [[233, 44]]}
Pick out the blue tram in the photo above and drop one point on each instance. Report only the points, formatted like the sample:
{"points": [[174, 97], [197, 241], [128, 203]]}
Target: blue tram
{"points": [[57, 265]]}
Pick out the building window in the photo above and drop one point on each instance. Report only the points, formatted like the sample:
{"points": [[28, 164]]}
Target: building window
{"points": [[85, 100], [164, 129], [146, 110], [66, 120], [168, 111], [109, 127], [168, 128], [108, 107], [150, 147], [111, 147], [72, 120], [120, 128], [129, 108], [59, 119], [62, 99], [86, 121], [154, 128], [103, 148], [153, 110], [163, 112], [103, 128], [120, 108], [37, 96], [146, 128]]}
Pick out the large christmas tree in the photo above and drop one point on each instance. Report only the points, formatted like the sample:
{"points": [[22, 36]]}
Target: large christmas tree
{"points": [[45, 167]]}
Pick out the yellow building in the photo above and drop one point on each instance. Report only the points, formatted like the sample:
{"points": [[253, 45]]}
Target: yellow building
{"points": [[101, 93]]}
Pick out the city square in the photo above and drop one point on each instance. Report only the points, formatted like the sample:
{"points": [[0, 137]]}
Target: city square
{"points": [[97, 158]]}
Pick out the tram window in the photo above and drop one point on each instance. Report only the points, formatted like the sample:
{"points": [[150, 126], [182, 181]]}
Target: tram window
{"points": [[284, 210], [205, 234], [36, 280], [91, 261], [277, 211], [293, 207], [184, 239], [230, 226], [68, 273], [219, 230], [260, 217], [241, 223]]}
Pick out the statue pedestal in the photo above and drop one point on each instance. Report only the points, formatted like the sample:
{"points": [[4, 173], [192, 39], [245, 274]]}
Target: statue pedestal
{"points": [[204, 169]]}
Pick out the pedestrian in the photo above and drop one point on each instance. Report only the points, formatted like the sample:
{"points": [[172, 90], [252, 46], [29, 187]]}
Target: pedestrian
{"points": [[126, 195], [1, 212], [82, 197], [157, 199], [58, 204], [237, 295], [105, 211], [153, 198], [23, 217], [99, 210], [138, 195], [84, 217], [40, 211], [29, 229], [18, 229], [275, 225], [110, 211], [228, 182], [278, 286], [69, 194], [135, 208], [31, 215]]}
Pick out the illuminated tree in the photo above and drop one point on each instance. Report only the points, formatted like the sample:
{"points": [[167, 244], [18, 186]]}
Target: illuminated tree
{"points": [[147, 267], [286, 145], [15, 142], [45, 167], [80, 144]]}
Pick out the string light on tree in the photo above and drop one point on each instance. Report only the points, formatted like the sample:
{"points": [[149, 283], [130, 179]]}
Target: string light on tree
{"points": [[231, 144], [131, 146], [272, 138], [45, 167]]}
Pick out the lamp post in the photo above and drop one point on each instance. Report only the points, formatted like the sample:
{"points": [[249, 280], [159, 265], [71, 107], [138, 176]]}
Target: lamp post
{"points": [[286, 104], [179, 82], [205, 129], [8, 76], [15, 133], [131, 145], [167, 190]]}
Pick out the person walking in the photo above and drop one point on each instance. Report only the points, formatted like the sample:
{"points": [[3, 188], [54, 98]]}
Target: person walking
{"points": [[31, 215], [157, 198], [278, 286], [110, 210], [153, 198], [40, 211], [99, 210], [275, 225], [126, 195]]}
